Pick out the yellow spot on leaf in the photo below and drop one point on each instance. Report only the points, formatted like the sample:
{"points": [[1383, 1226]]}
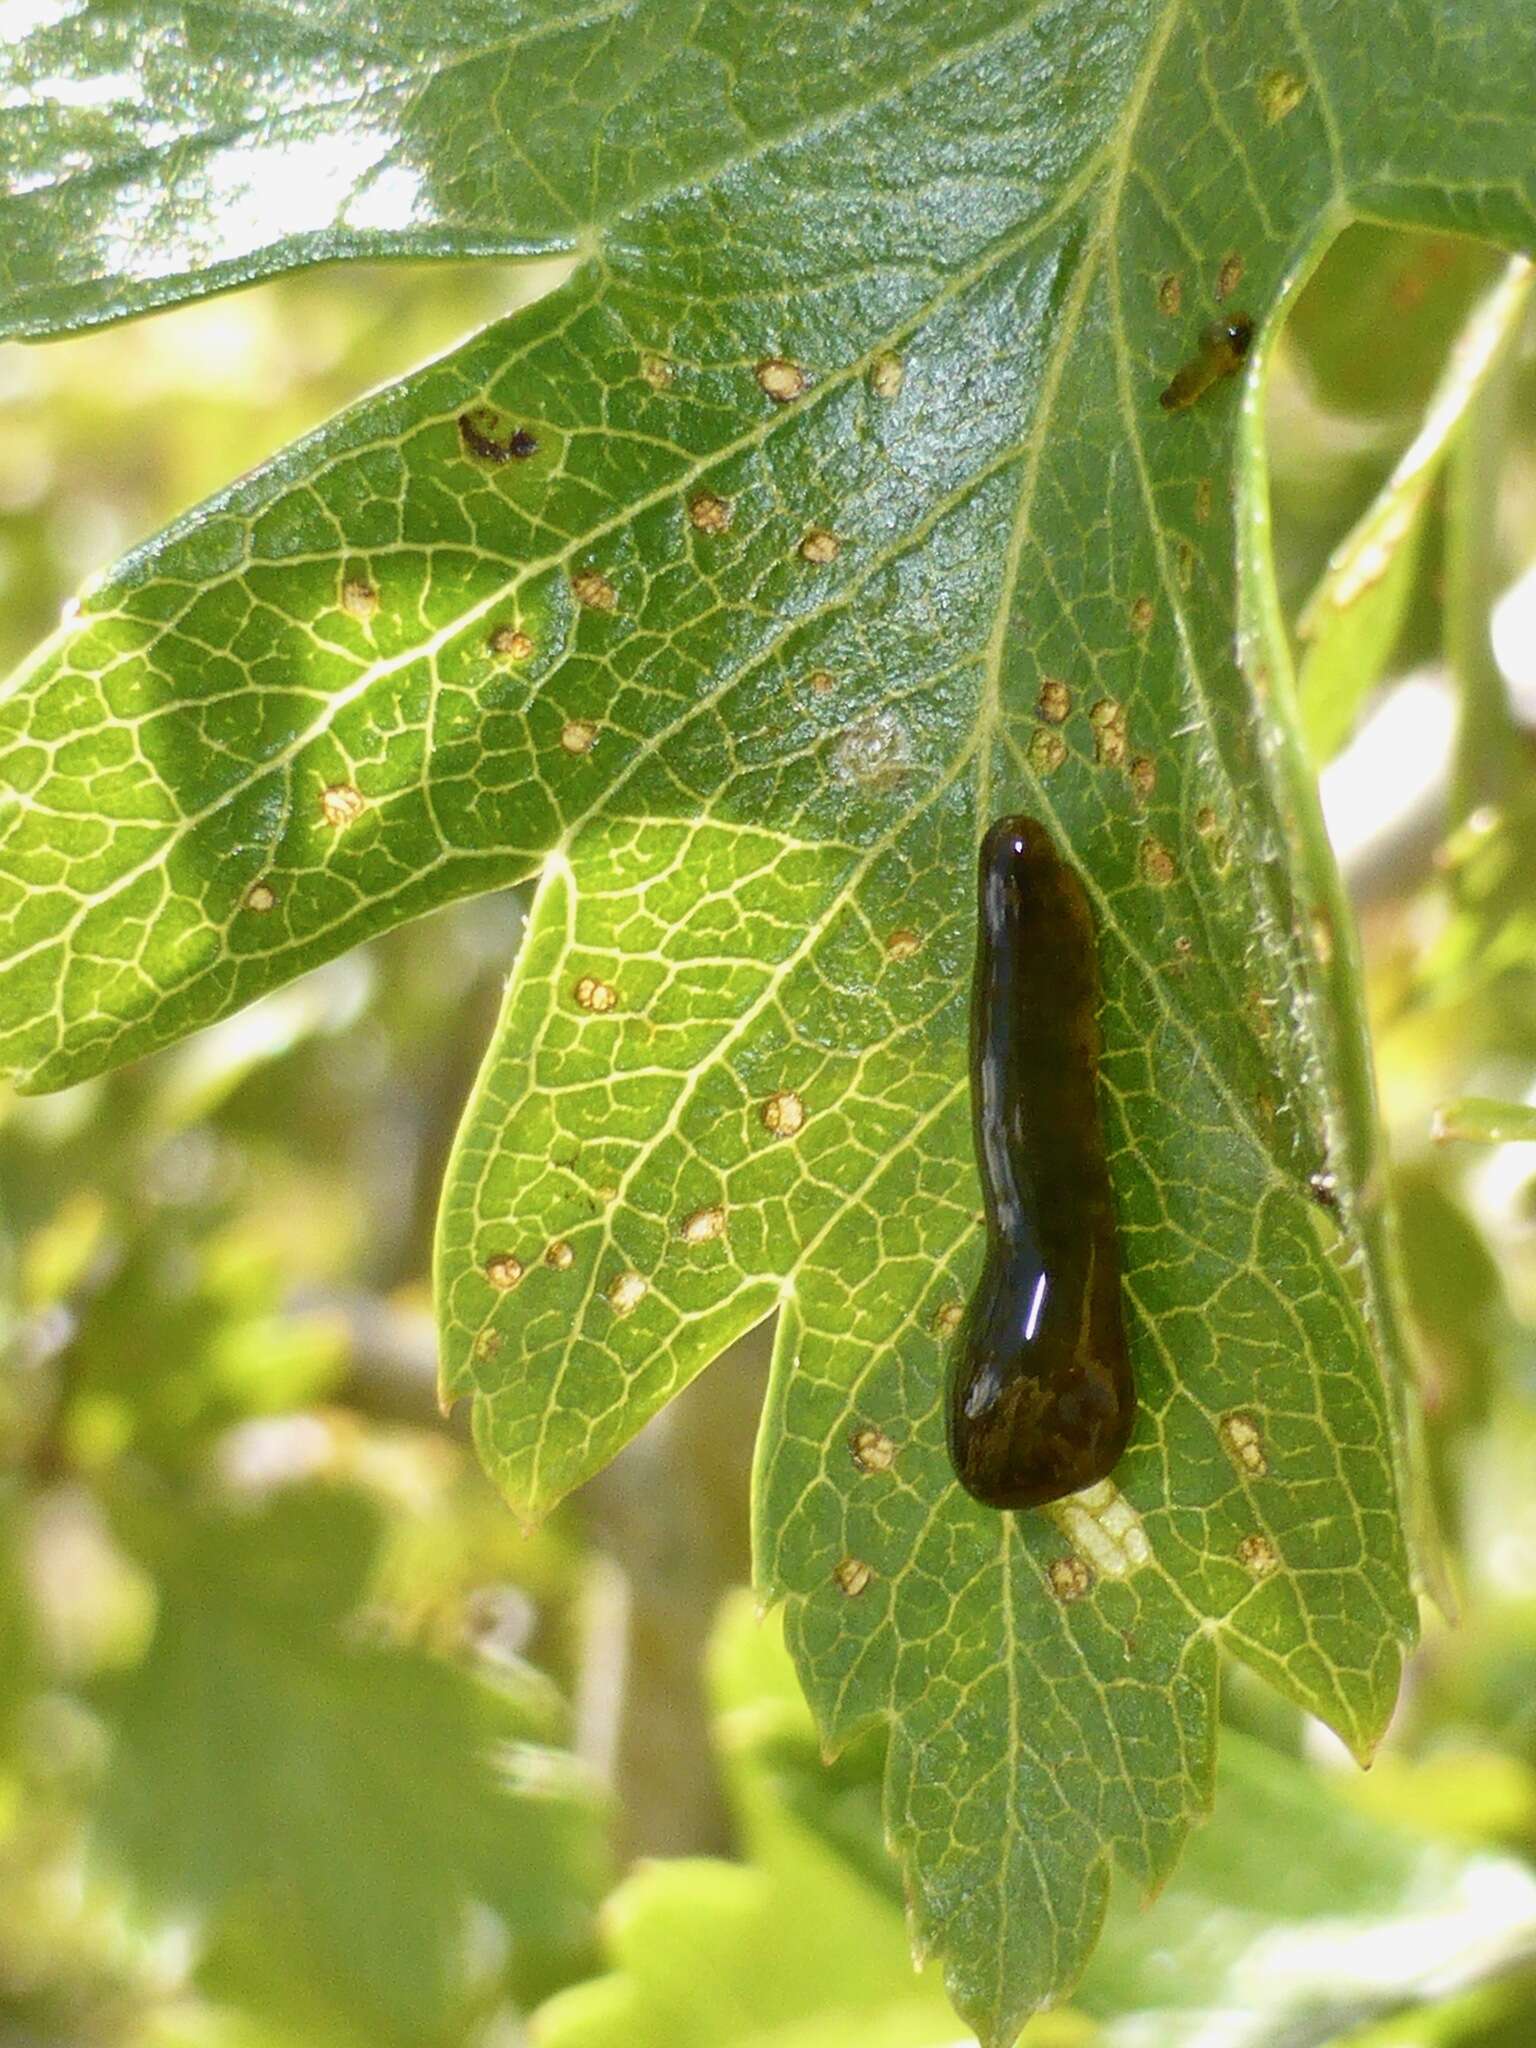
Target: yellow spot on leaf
{"points": [[359, 598], [560, 1256], [1256, 1554], [504, 1271], [261, 897], [820, 546], [578, 735], [902, 943], [1281, 93]]}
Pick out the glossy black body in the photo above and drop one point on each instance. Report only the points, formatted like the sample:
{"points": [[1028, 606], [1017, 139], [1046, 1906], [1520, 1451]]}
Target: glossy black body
{"points": [[1040, 1396]]}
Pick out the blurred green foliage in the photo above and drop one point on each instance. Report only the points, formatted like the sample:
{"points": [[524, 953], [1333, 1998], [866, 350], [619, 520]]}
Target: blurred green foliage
{"points": [[302, 1741]]}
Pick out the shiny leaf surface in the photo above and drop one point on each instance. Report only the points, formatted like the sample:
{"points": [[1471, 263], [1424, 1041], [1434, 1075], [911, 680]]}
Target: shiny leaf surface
{"points": [[826, 512]]}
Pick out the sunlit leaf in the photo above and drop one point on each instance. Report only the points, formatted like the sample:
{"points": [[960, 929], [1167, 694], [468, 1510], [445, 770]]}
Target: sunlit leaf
{"points": [[1485, 1121], [1352, 623], [826, 512], [1296, 1946]]}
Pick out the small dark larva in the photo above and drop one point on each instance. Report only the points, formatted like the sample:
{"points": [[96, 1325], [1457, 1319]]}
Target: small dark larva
{"points": [[478, 431], [1040, 1397], [1223, 348]]}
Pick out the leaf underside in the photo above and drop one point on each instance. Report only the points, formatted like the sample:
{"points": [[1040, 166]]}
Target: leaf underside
{"points": [[747, 775]]}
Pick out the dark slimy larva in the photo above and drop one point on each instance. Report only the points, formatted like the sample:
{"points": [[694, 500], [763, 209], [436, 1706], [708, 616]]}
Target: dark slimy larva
{"points": [[1223, 348], [1040, 1398]]}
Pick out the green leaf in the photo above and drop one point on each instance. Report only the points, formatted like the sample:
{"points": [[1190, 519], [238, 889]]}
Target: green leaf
{"points": [[1290, 1945], [1485, 1121], [1353, 621], [257, 1782], [748, 777], [801, 1944]]}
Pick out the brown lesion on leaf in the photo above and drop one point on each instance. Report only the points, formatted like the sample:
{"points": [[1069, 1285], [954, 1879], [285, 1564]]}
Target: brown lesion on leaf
{"points": [[1258, 1556], [1170, 294], [1142, 775], [1143, 612], [578, 735], [782, 379], [852, 1575], [1047, 751], [626, 1292], [871, 1449], [820, 546], [1157, 864], [656, 370], [820, 682], [710, 514], [487, 434], [886, 374], [592, 590], [1108, 720], [503, 1270], [704, 1225], [947, 1318], [511, 643], [595, 995], [560, 1255], [784, 1114], [1230, 275], [902, 943], [1054, 702], [1203, 499], [1069, 1578], [1243, 1443], [341, 803], [359, 598], [261, 897]]}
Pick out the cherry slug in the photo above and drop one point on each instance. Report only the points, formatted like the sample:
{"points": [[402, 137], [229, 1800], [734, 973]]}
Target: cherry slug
{"points": [[1223, 350], [1040, 1398]]}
